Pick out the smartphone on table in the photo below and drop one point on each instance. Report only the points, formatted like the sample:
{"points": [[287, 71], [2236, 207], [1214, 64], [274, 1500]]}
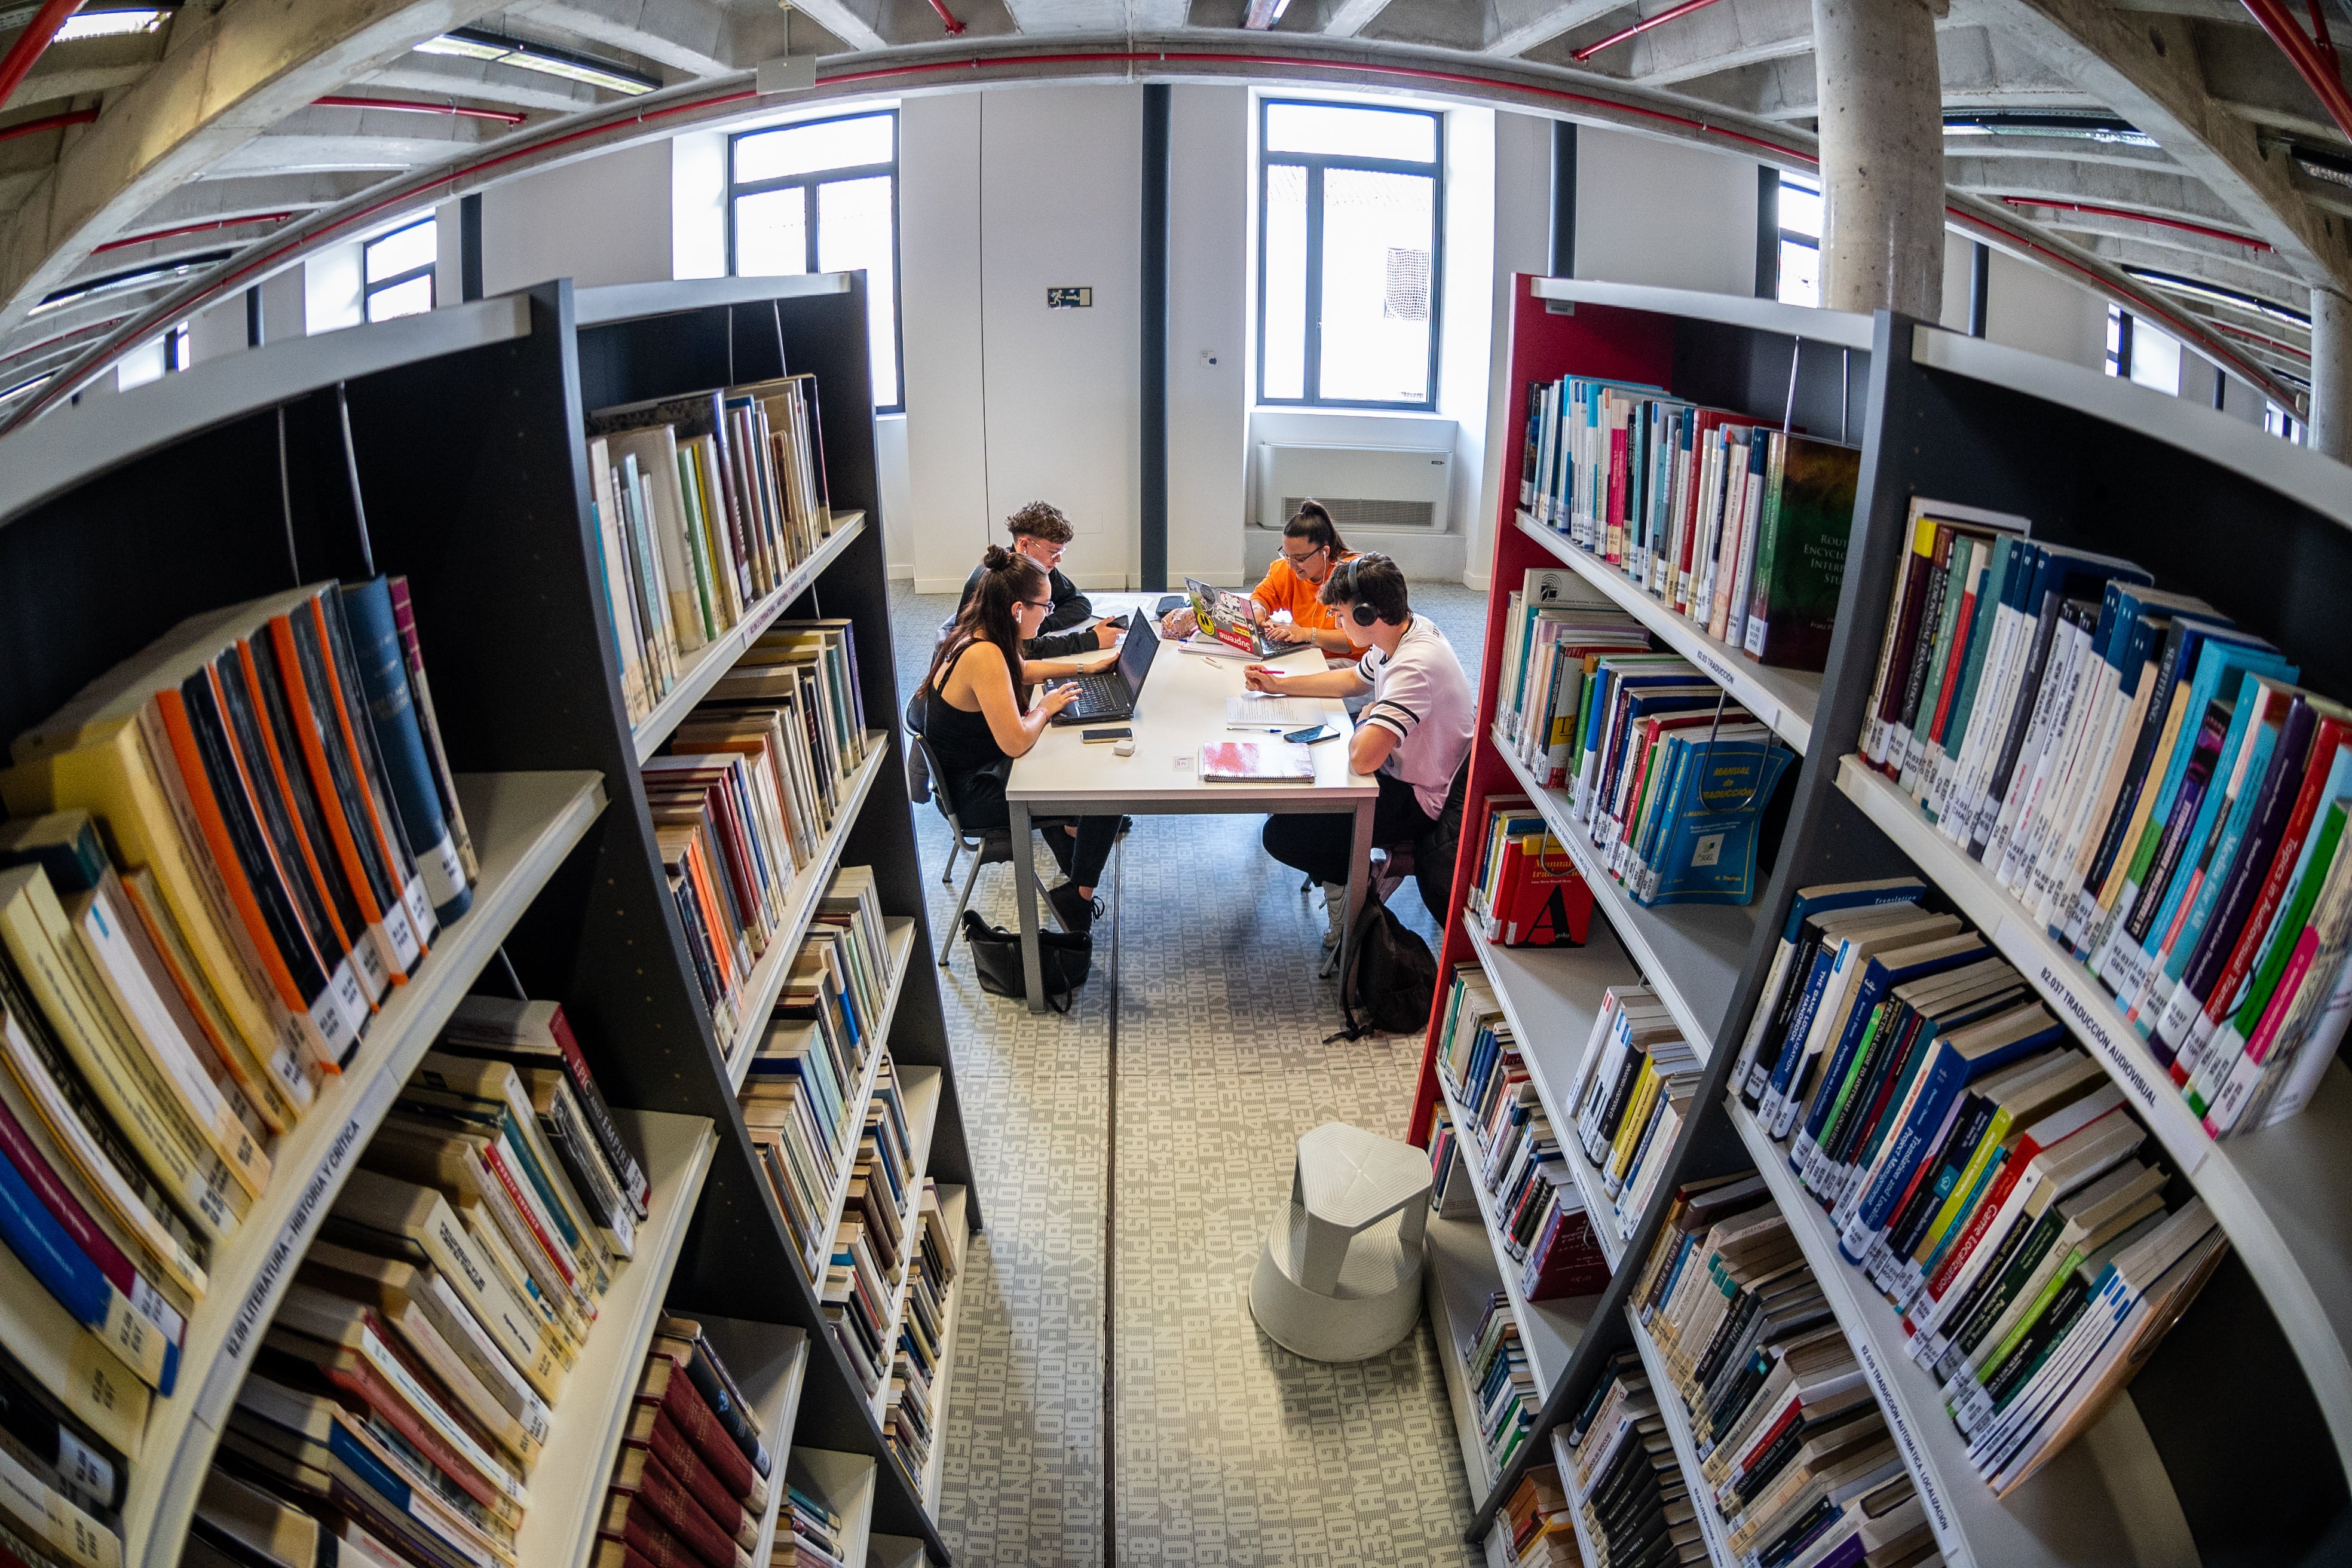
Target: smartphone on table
{"points": [[1308, 737]]}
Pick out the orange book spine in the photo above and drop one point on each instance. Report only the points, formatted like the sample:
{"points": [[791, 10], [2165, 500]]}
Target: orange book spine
{"points": [[307, 725], [173, 708], [341, 708], [276, 761], [724, 932]]}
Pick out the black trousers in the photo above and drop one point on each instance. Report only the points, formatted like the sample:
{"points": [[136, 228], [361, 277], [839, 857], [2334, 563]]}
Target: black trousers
{"points": [[1319, 843], [980, 803]]}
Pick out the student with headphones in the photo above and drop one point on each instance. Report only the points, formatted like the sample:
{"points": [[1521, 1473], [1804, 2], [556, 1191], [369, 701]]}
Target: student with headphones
{"points": [[1411, 737]]}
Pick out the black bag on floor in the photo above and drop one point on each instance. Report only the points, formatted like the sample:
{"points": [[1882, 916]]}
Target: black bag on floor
{"points": [[1391, 980], [1063, 961]]}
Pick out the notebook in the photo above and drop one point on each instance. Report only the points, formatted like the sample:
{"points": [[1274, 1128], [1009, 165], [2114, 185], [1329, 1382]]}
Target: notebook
{"points": [[1255, 761], [1275, 713]]}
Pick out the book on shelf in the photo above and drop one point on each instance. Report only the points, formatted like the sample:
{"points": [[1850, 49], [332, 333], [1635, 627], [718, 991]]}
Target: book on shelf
{"points": [[683, 1340], [1618, 1470], [692, 1482], [1508, 1147], [537, 1037], [1527, 891], [910, 1420], [752, 783], [1503, 1392], [2149, 786], [1740, 529], [242, 1525], [860, 1289], [1631, 1093], [820, 1535], [1556, 630], [1539, 1532], [703, 505], [1984, 1175]]}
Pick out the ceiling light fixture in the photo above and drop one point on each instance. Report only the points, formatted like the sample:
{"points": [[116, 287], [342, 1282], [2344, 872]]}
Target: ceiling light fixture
{"points": [[1264, 14], [473, 44], [404, 106], [110, 24], [2077, 127], [122, 282], [2213, 293]]}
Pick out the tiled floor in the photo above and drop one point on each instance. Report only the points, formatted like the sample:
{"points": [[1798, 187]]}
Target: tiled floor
{"points": [[1226, 1450]]}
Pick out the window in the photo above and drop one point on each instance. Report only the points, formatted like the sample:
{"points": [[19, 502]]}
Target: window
{"points": [[178, 354], [822, 197], [396, 271], [2119, 341], [1800, 242], [2281, 423], [2140, 354], [1350, 259]]}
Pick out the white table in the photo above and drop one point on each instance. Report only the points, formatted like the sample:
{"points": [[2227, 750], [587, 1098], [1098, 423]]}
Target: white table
{"points": [[1182, 707]]}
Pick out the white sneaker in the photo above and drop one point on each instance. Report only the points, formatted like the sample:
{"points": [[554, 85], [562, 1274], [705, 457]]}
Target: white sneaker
{"points": [[1335, 912]]}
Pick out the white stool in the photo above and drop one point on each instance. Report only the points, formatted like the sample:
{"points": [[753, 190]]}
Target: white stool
{"points": [[1333, 1283]]}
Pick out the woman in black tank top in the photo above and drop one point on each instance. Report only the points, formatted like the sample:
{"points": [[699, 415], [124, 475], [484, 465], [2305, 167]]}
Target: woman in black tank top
{"points": [[979, 663]]}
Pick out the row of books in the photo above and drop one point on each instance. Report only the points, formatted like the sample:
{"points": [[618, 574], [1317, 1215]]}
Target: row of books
{"points": [[2147, 781], [1526, 890], [1554, 635], [214, 878], [1535, 1523], [1739, 528], [1502, 1384], [693, 1481], [873, 1243], [404, 1391], [1981, 1172], [703, 505], [743, 797], [1508, 1147], [1794, 1455], [910, 1423], [1630, 1095], [819, 1536], [799, 1098], [1630, 1501]]}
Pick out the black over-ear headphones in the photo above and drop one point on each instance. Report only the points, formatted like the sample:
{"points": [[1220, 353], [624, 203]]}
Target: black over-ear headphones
{"points": [[1362, 614]]}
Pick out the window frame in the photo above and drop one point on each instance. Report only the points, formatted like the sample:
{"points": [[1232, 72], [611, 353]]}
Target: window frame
{"points": [[1311, 370], [428, 271], [1795, 236], [808, 183]]}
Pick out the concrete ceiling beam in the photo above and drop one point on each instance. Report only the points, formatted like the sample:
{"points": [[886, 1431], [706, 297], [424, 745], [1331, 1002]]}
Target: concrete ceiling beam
{"points": [[1352, 18], [226, 79], [693, 38], [1728, 35], [2163, 191], [440, 77], [1515, 27], [84, 65]]}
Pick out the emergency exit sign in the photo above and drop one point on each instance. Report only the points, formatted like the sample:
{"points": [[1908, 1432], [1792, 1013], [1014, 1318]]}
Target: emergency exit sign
{"points": [[1069, 297]]}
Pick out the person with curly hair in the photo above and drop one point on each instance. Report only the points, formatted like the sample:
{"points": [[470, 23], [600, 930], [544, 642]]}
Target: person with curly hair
{"points": [[1040, 534]]}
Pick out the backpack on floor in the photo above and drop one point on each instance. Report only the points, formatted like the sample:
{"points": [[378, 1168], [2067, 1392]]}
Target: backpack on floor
{"points": [[1390, 979], [1063, 961]]}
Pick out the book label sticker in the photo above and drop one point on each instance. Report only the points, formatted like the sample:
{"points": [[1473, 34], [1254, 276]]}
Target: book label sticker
{"points": [[293, 1238], [2125, 1063]]}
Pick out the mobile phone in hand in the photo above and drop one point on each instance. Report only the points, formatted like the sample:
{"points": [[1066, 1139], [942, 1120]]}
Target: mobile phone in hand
{"points": [[1308, 737]]}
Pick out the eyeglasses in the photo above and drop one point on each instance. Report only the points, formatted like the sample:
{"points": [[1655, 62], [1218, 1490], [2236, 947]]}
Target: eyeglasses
{"points": [[1303, 560], [1039, 604]]}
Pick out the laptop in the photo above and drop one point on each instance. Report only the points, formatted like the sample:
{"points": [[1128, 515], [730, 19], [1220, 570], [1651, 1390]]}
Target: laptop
{"points": [[1227, 617], [1111, 693]]}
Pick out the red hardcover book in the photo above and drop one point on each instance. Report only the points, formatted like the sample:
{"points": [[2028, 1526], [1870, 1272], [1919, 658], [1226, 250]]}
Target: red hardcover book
{"points": [[678, 1513], [688, 1411], [669, 1445], [1542, 900]]}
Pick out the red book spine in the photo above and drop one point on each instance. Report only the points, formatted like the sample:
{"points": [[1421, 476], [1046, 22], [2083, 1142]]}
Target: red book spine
{"points": [[698, 1423], [675, 1507], [669, 1445], [650, 1540], [68, 1211], [363, 1382]]}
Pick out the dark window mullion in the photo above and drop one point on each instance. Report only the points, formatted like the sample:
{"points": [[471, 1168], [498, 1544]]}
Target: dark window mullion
{"points": [[1310, 383], [369, 291], [782, 182], [808, 223]]}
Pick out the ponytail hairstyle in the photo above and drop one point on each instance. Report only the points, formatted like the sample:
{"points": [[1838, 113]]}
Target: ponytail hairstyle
{"points": [[992, 615], [1313, 523]]}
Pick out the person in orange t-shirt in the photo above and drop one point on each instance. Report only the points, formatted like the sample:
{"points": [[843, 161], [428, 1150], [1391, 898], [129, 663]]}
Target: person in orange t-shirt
{"points": [[1311, 547]]}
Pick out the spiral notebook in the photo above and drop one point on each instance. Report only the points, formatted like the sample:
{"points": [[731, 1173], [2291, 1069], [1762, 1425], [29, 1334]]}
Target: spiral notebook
{"points": [[1255, 761]]}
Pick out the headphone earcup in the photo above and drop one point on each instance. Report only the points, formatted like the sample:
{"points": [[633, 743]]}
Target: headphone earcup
{"points": [[1362, 612]]}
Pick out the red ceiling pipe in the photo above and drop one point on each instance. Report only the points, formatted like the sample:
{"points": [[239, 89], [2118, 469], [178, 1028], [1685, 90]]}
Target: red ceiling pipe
{"points": [[2311, 62], [2183, 224], [1643, 25], [947, 18], [130, 239], [407, 106], [2268, 341], [31, 42], [48, 122]]}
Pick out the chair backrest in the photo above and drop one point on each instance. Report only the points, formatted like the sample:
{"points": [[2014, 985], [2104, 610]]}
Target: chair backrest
{"points": [[938, 790], [921, 766]]}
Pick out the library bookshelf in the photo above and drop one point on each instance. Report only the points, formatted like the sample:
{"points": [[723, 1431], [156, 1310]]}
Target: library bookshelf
{"points": [[466, 471], [2234, 1441]]}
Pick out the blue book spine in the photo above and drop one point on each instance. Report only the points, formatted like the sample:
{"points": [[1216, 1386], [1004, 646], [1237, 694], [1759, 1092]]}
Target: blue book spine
{"points": [[42, 1245], [392, 714], [1792, 1046], [1947, 1075]]}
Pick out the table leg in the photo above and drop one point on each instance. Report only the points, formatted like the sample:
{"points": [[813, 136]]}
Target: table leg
{"points": [[1360, 888], [1024, 899]]}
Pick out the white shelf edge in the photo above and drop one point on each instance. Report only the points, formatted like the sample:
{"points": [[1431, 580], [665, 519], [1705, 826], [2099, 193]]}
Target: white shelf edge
{"points": [[955, 1204], [706, 664], [1456, 1267], [1625, 917], [2071, 1512], [2296, 472], [568, 1486], [1787, 713], [634, 301], [767, 979], [1565, 1458], [524, 826], [1548, 1361], [1838, 329], [1530, 1041], [1678, 1434], [921, 1087], [2283, 1195]]}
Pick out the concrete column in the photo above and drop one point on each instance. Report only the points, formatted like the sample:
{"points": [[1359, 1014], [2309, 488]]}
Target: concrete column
{"points": [[1882, 141], [2331, 374]]}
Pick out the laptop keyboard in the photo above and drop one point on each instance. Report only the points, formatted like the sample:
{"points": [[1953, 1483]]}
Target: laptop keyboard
{"points": [[1101, 694]]}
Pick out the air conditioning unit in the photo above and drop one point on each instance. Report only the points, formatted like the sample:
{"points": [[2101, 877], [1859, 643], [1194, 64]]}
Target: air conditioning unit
{"points": [[1367, 490]]}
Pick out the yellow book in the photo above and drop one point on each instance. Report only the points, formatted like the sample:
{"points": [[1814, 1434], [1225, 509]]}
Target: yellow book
{"points": [[68, 1360], [111, 775], [1636, 1117], [279, 1105], [123, 976], [37, 937]]}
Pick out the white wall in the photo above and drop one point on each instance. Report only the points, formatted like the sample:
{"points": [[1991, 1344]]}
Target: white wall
{"points": [[1661, 213], [2030, 307], [1208, 314], [1522, 243], [602, 220], [939, 318]]}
